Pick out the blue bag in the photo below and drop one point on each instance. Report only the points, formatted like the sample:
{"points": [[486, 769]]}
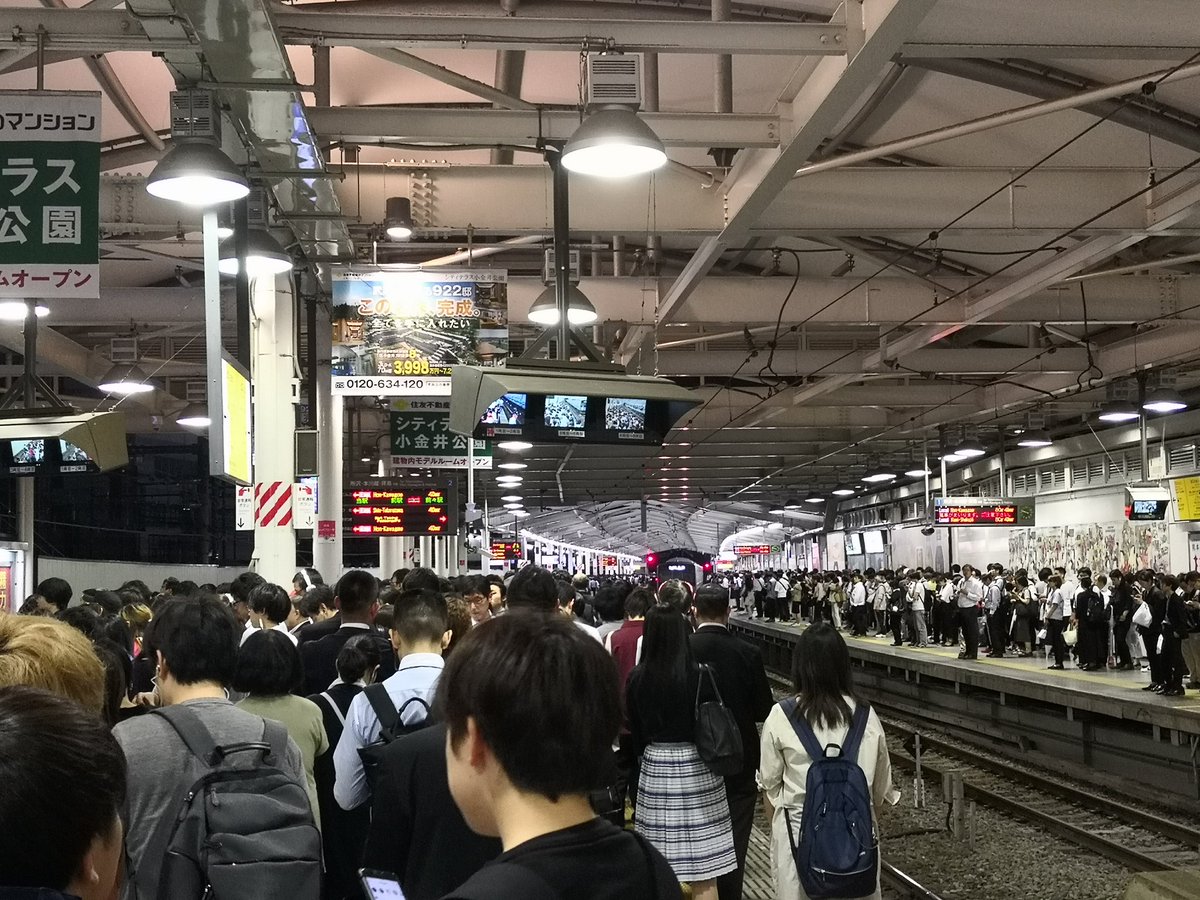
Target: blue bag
{"points": [[838, 851]]}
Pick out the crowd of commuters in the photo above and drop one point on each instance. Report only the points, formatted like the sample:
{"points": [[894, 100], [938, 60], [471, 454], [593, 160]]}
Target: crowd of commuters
{"points": [[1122, 621], [479, 737]]}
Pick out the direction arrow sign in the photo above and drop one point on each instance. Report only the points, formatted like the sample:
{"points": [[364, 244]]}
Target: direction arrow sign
{"points": [[244, 508]]}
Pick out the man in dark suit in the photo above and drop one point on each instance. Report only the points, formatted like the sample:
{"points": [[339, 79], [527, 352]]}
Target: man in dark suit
{"points": [[416, 830], [324, 622], [357, 599], [742, 681]]}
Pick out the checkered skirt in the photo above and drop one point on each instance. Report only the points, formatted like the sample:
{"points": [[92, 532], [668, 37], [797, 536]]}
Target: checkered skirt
{"points": [[682, 810]]}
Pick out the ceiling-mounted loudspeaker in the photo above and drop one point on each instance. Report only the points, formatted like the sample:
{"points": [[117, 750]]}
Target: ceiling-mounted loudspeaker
{"points": [[194, 114], [614, 78]]}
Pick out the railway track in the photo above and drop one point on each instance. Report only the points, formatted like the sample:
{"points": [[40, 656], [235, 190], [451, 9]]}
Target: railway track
{"points": [[1134, 838], [899, 886]]}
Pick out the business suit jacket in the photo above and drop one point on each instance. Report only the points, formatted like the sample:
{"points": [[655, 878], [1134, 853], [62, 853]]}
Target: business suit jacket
{"points": [[314, 631], [320, 657], [742, 680], [416, 830]]}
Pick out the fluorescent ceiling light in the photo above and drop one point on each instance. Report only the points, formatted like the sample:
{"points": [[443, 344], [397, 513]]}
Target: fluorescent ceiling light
{"points": [[197, 173], [126, 379], [1118, 411], [916, 470], [514, 505], [970, 448], [843, 490], [512, 498], [580, 310], [1165, 400], [814, 498], [614, 143], [16, 310], [1035, 438]]}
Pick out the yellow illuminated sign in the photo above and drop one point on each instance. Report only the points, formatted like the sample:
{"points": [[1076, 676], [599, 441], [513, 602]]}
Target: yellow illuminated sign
{"points": [[1187, 494], [235, 411]]}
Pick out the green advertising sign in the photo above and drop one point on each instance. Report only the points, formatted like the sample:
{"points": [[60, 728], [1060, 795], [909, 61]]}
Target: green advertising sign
{"points": [[422, 439], [49, 194]]}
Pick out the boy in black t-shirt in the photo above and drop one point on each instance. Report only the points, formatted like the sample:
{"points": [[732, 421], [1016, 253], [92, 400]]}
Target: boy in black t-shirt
{"points": [[532, 708]]}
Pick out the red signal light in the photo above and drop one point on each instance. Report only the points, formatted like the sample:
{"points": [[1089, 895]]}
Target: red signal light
{"points": [[651, 559]]}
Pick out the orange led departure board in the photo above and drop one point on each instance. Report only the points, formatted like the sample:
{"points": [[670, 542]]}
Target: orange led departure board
{"points": [[384, 507], [509, 550], [983, 511]]}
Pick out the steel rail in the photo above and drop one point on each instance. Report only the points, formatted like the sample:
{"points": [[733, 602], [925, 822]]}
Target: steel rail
{"points": [[906, 884]]}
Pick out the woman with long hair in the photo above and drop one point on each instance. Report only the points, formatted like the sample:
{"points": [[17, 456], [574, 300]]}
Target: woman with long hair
{"points": [[824, 699], [681, 806]]}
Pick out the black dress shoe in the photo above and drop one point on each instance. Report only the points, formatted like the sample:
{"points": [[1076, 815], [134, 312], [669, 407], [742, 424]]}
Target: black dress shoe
{"points": [[1056, 666], [1173, 692], [964, 656], [1160, 688], [1151, 687]]}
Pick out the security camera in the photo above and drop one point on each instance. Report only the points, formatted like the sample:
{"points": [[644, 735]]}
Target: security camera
{"points": [[928, 530]]}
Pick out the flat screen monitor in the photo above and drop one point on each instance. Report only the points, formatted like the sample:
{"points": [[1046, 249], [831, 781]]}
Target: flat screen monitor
{"points": [[71, 453], [873, 541], [28, 453], [508, 410], [854, 545], [565, 411], [622, 414]]}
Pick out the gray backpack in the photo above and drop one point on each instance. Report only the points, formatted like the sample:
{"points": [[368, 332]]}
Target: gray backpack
{"points": [[242, 827]]}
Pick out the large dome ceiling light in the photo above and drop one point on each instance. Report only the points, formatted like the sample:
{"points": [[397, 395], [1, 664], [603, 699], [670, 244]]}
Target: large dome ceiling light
{"points": [[195, 171], [194, 415], [1161, 393], [126, 379], [264, 255], [613, 142], [580, 310]]}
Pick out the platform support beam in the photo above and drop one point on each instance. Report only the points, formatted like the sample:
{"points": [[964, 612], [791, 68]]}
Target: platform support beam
{"points": [[274, 383]]}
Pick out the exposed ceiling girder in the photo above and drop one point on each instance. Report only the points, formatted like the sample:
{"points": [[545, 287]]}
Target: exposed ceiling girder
{"points": [[831, 89], [450, 77], [368, 125], [345, 28]]}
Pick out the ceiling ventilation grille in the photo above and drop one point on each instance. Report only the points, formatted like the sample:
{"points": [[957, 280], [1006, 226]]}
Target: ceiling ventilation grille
{"points": [[614, 79], [194, 115]]}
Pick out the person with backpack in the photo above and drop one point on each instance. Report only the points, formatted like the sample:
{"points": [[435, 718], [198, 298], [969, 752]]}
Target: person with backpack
{"points": [[194, 816], [343, 833], [419, 633], [823, 804], [1089, 614]]}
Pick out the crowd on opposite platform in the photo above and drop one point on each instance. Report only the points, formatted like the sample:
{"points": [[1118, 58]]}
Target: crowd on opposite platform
{"points": [[1123, 620], [479, 737]]}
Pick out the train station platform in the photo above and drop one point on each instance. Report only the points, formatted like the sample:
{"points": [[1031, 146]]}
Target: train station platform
{"points": [[1103, 720]]}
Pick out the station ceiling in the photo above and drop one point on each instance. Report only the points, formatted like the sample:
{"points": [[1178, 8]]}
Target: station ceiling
{"points": [[866, 246]]}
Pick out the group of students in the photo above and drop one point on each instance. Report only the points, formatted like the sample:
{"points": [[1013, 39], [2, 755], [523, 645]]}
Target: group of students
{"points": [[486, 770], [1103, 621]]}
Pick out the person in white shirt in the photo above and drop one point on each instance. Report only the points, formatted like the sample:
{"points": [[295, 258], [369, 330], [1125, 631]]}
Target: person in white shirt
{"points": [[420, 632], [270, 607], [858, 607], [946, 601], [1055, 620], [881, 595], [918, 634], [968, 596]]}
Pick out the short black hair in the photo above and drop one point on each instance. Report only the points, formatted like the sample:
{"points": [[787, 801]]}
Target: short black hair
{"points": [[520, 676], [82, 618], [533, 587], [198, 638], [712, 602], [241, 586], [108, 603], [308, 604], [421, 579], [475, 584], [170, 583], [56, 591], [64, 782], [268, 664], [356, 591], [271, 600], [358, 656], [420, 616], [638, 602]]}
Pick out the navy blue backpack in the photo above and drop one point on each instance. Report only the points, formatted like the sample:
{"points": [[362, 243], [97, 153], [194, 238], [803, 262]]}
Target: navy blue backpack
{"points": [[838, 852]]}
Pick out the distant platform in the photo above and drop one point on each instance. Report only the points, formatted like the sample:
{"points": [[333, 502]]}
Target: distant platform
{"points": [[1115, 695]]}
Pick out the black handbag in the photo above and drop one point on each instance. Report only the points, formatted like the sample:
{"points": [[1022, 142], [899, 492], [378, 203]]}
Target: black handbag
{"points": [[718, 740]]}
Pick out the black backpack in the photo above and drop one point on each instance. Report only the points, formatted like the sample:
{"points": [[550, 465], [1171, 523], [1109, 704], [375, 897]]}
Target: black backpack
{"points": [[393, 727], [239, 827], [1093, 606]]}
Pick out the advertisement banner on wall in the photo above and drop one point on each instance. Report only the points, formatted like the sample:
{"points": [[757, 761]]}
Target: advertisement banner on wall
{"points": [[397, 332], [50, 185]]}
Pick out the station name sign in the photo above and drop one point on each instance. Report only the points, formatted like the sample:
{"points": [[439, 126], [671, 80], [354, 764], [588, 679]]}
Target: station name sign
{"points": [[1001, 511]]}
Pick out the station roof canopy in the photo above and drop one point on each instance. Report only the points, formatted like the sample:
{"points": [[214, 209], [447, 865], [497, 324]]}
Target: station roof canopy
{"points": [[878, 222]]}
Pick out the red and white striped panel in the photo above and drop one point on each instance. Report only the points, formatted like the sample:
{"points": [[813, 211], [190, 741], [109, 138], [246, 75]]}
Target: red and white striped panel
{"points": [[272, 503]]}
